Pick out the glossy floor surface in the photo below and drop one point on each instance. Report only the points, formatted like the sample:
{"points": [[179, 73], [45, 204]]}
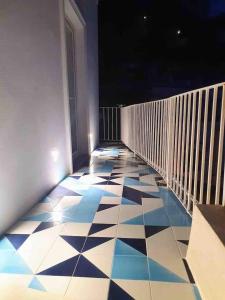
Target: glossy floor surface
{"points": [[110, 231]]}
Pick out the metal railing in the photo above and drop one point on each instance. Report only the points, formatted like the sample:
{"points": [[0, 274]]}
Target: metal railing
{"points": [[182, 137], [109, 124]]}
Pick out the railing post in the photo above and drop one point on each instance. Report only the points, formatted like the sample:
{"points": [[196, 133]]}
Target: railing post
{"points": [[172, 136], [220, 153]]}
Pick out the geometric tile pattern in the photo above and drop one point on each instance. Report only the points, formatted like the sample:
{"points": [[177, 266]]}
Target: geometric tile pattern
{"points": [[113, 230]]}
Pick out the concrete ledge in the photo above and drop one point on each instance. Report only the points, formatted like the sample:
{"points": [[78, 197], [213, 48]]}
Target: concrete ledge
{"points": [[206, 251]]}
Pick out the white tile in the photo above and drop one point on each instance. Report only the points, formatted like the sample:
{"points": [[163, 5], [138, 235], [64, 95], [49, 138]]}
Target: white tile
{"points": [[36, 247], [171, 291], [150, 204], [110, 200], [59, 252], [149, 179], [67, 201], [131, 231], [107, 216], [146, 189], [106, 249], [81, 288], [114, 189], [109, 232], [39, 209], [14, 281], [138, 289], [129, 211], [24, 227], [54, 284], [163, 249], [181, 232], [76, 229], [102, 262]]}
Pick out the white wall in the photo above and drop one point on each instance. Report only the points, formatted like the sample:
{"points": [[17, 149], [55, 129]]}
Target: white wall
{"points": [[33, 126], [89, 10]]}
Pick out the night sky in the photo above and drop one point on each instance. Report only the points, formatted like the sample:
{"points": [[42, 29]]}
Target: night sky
{"points": [[152, 49]]}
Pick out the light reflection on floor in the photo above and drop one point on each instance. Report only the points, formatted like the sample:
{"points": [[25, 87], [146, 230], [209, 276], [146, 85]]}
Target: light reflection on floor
{"points": [[110, 231]]}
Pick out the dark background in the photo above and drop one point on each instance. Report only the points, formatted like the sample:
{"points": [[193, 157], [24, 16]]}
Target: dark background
{"points": [[143, 59]]}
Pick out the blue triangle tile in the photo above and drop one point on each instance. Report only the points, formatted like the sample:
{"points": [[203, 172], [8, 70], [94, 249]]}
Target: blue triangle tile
{"points": [[115, 292], [156, 217], [122, 248], [77, 242], [14, 264], [135, 221], [5, 244], [126, 201], [105, 206], [40, 217], [65, 268], [152, 230], [131, 181], [86, 269], [61, 191], [137, 244], [36, 285], [196, 293], [130, 267], [160, 273], [17, 239], [99, 227], [92, 242], [45, 225]]}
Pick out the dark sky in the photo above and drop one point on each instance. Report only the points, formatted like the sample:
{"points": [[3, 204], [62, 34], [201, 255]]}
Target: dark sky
{"points": [[150, 49]]}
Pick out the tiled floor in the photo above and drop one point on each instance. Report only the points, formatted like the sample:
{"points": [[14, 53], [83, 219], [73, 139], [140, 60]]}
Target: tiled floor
{"points": [[110, 231]]}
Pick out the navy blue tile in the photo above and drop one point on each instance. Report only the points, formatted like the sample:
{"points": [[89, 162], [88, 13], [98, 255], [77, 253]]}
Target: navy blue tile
{"points": [[45, 225], [185, 242], [105, 206], [138, 244], [85, 268], [60, 192], [92, 242], [151, 230], [65, 268], [135, 195], [99, 227], [77, 242], [190, 276], [116, 293], [113, 183], [17, 239]]}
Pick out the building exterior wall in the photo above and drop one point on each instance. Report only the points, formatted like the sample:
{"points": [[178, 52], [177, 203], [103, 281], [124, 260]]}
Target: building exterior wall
{"points": [[89, 10], [35, 149]]}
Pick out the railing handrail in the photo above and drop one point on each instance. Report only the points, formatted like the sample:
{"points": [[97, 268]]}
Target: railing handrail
{"points": [[182, 94], [182, 137]]}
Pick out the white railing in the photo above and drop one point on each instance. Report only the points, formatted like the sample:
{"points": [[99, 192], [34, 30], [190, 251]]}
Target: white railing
{"points": [[182, 137], [109, 124]]}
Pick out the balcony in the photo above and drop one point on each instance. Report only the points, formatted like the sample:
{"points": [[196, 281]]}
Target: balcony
{"points": [[139, 215], [119, 228]]}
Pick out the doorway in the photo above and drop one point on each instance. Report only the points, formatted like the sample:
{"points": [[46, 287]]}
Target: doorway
{"points": [[71, 74]]}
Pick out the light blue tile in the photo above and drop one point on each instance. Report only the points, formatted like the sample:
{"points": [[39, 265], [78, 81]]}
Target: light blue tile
{"points": [[135, 221], [131, 181], [160, 273], [123, 249], [40, 217], [174, 209], [196, 293], [126, 201], [156, 217], [130, 268], [11, 262], [36, 285], [5, 244]]}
